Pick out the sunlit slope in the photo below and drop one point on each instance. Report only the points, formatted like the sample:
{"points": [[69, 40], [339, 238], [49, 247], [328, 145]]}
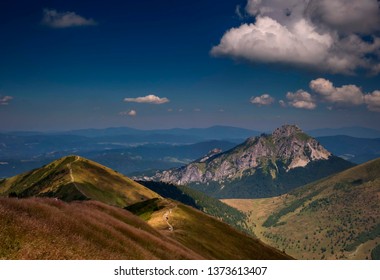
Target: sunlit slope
{"points": [[75, 178], [202, 233], [334, 218], [45, 228]]}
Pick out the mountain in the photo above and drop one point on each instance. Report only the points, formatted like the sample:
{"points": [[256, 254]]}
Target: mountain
{"points": [[209, 133], [334, 218], [75, 178], [72, 208], [355, 131], [261, 166], [358, 150]]}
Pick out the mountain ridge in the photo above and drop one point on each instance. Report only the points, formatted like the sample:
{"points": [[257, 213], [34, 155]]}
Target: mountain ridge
{"points": [[75, 178]]}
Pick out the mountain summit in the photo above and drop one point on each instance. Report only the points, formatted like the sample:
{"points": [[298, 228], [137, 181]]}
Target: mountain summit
{"points": [[261, 166], [76, 178]]}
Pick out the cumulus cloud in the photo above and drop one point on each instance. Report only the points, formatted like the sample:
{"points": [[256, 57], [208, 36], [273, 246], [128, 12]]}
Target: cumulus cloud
{"points": [[130, 113], [282, 103], [152, 99], [308, 34], [262, 100], [324, 91], [4, 100], [373, 101], [301, 100], [347, 95], [55, 19]]}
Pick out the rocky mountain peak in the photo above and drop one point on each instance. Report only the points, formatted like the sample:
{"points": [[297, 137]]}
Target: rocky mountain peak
{"points": [[271, 155], [286, 131]]}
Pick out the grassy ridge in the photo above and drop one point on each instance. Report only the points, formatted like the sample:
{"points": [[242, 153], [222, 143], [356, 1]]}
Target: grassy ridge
{"points": [[75, 178]]}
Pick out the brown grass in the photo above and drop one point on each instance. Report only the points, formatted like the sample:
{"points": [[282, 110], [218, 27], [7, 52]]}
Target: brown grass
{"points": [[39, 228]]}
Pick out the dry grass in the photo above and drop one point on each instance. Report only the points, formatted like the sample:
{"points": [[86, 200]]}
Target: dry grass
{"points": [[40, 228]]}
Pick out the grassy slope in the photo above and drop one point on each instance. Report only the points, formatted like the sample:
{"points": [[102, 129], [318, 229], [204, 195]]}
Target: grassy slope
{"points": [[334, 218], [202, 233], [75, 178], [45, 228], [201, 201]]}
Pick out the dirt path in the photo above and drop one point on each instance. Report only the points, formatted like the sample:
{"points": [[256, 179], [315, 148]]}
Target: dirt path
{"points": [[166, 218], [71, 170]]}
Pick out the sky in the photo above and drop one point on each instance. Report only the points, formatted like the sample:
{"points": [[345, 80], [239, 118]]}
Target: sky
{"points": [[255, 64]]}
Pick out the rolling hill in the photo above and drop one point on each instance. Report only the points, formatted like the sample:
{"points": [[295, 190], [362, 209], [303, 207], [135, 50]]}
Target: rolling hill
{"points": [[72, 209], [75, 178], [334, 218]]}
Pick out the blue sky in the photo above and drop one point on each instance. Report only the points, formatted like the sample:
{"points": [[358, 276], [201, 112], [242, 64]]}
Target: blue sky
{"points": [[163, 64]]}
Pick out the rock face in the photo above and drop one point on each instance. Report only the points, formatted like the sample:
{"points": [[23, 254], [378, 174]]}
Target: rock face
{"points": [[272, 156]]}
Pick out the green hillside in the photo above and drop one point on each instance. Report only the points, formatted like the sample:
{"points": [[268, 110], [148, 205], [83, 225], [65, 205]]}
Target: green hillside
{"points": [[335, 218]]}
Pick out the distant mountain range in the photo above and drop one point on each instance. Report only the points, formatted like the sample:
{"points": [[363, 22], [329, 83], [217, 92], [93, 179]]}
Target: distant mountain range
{"points": [[210, 133], [132, 151], [261, 166], [355, 131]]}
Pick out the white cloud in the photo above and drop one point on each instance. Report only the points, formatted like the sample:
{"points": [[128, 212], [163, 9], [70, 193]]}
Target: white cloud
{"points": [[324, 91], [130, 113], [4, 100], [282, 103], [301, 100], [153, 99], [347, 95], [373, 101], [307, 34], [55, 19], [262, 100]]}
